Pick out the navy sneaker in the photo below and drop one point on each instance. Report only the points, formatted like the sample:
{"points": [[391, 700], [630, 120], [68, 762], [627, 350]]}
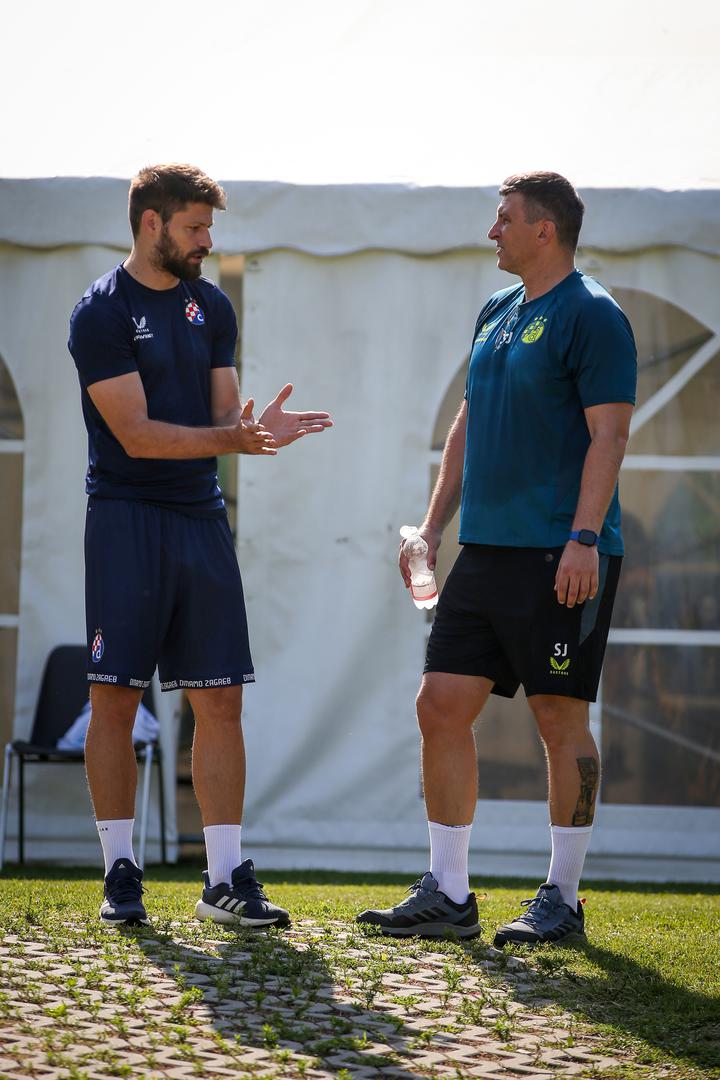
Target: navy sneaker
{"points": [[123, 895], [547, 919], [242, 902], [427, 912]]}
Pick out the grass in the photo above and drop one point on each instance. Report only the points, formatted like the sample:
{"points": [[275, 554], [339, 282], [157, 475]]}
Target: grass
{"points": [[644, 987]]}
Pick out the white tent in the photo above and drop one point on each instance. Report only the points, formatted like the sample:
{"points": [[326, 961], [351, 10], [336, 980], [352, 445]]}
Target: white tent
{"points": [[365, 297]]}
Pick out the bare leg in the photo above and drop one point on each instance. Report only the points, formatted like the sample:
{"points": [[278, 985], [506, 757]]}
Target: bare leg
{"points": [[447, 705], [218, 758], [572, 756], [109, 756]]}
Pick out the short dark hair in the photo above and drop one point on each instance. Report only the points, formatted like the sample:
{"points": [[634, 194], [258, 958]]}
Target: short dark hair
{"points": [[167, 189], [550, 195]]}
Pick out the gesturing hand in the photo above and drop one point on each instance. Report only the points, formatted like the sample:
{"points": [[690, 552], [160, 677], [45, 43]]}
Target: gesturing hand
{"points": [[253, 438], [286, 427]]}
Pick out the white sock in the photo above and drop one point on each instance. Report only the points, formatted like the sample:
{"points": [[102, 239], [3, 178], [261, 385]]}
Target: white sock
{"points": [[569, 846], [449, 859], [116, 839], [222, 843]]}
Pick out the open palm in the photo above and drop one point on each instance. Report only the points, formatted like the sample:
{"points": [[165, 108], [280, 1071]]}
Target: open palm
{"points": [[286, 427]]}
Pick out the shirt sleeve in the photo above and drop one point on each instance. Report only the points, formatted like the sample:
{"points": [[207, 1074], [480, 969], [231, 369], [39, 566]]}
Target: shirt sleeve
{"points": [[478, 323], [100, 342], [602, 356], [225, 333]]}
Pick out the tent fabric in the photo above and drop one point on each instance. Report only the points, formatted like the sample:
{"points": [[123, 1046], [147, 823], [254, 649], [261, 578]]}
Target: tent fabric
{"points": [[376, 335], [343, 218]]}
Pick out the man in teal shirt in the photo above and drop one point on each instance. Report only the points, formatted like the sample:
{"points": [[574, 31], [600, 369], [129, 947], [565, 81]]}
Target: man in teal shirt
{"points": [[533, 456]]}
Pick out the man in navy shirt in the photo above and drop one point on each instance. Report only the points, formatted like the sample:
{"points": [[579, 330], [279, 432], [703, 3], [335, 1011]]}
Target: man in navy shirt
{"points": [[533, 458], [154, 345]]}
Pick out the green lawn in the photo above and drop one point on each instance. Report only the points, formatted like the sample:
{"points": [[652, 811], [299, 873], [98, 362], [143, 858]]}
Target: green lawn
{"points": [[645, 985]]}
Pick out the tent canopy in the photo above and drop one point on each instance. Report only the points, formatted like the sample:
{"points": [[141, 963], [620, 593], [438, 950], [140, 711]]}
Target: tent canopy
{"points": [[344, 218]]}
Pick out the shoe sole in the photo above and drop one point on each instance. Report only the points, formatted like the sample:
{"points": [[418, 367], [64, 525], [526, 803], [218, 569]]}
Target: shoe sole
{"points": [[132, 920], [205, 911], [430, 930], [500, 940]]}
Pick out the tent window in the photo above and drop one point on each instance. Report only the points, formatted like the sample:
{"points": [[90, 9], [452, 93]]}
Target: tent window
{"points": [[11, 470], [11, 421], [11, 479], [660, 730]]}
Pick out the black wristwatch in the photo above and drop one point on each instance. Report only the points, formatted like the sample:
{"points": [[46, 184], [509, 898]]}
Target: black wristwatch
{"points": [[585, 536]]}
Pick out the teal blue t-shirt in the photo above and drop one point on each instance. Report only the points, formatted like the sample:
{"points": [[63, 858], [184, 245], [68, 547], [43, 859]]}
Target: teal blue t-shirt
{"points": [[535, 366]]}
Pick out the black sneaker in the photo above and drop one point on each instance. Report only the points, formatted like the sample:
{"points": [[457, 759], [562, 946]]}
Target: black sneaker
{"points": [[123, 895], [243, 902], [547, 919], [427, 912]]}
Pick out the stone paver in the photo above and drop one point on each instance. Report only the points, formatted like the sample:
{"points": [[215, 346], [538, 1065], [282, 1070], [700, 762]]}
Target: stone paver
{"points": [[305, 1003]]}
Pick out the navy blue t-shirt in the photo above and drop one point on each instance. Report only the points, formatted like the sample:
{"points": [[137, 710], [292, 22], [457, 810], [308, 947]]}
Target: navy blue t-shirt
{"points": [[172, 338], [535, 367]]}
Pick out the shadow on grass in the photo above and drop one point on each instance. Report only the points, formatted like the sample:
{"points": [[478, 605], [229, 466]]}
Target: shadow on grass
{"points": [[268, 995], [628, 997]]}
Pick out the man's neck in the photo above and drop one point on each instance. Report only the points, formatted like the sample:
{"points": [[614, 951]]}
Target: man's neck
{"points": [[541, 279], [142, 269]]}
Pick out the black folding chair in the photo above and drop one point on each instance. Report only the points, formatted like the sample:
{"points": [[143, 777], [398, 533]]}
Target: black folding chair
{"points": [[63, 693]]}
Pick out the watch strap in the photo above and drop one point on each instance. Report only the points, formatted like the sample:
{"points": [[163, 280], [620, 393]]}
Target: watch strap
{"points": [[584, 536]]}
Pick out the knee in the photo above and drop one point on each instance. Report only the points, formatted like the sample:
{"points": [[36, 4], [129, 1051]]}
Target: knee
{"points": [[218, 707], [434, 718], [117, 709], [556, 727]]}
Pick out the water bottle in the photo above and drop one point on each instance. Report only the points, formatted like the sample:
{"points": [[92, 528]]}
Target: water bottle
{"points": [[422, 580]]}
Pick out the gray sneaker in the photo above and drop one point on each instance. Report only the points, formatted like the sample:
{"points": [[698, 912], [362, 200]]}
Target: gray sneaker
{"points": [[547, 918], [427, 912]]}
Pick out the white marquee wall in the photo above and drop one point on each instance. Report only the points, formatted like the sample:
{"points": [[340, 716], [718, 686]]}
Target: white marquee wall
{"points": [[371, 321]]}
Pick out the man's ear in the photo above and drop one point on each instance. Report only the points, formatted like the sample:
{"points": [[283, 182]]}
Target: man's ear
{"points": [[547, 232], [151, 222]]}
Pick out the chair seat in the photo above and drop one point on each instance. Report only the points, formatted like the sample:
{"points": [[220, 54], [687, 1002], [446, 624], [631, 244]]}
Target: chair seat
{"points": [[46, 753], [51, 753]]}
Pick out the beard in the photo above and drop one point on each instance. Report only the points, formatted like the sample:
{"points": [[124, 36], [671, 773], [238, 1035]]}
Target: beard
{"points": [[169, 257]]}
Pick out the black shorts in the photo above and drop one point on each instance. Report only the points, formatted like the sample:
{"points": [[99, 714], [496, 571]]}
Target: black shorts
{"points": [[498, 616], [163, 589]]}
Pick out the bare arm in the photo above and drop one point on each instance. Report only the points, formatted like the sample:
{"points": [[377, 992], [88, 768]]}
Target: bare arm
{"points": [[123, 406], [445, 498], [225, 402], [609, 427]]}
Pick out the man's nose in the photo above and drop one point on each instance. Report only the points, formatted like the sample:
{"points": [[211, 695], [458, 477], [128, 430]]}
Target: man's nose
{"points": [[493, 232]]}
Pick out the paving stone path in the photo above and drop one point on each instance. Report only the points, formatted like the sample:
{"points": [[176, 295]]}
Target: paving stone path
{"points": [[317, 1001]]}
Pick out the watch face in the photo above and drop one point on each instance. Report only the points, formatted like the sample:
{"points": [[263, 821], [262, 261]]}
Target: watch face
{"points": [[588, 537]]}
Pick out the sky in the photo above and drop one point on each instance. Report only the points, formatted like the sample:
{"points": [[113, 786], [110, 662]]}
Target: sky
{"points": [[458, 92]]}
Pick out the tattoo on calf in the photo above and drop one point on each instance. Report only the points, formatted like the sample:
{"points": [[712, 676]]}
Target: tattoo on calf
{"points": [[585, 809]]}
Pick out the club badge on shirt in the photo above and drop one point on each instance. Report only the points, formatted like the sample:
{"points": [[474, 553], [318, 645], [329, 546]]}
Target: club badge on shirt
{"points": [[194, 313], [98, 647]]}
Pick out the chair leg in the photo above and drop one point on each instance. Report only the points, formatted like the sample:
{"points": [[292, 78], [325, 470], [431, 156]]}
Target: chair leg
{"points": [[161, 795], [7, 771], [21, 809], [144, 806]]}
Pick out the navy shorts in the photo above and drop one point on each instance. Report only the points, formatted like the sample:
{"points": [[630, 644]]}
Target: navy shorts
{"points": [[498, 616], [163, 589]]}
